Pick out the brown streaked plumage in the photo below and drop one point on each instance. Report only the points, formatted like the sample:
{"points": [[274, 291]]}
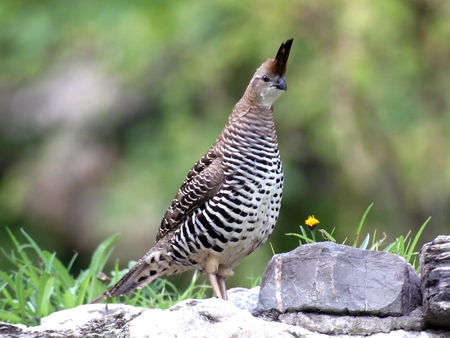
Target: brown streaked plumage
{"points": [[229, 202]]}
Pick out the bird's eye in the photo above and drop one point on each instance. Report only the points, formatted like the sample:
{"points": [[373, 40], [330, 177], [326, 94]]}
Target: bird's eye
{"points": [[265, 78]]}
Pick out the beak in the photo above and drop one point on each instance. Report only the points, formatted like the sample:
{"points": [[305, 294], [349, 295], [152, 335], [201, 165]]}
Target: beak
{"points": [[281, 84]]}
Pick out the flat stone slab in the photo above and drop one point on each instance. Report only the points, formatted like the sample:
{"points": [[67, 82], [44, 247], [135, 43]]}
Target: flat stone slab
{"points": [[338, 279], [353, 325]]}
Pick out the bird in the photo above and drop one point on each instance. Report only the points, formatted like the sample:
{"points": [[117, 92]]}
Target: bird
{"points": [[230, 200]]}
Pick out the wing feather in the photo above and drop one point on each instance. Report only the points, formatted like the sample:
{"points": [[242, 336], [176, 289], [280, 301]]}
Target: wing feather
{"points": [[201, 183]]}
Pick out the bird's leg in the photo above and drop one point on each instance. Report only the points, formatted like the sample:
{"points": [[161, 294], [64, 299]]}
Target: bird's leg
{"points": [[212, 268], [215, 283], [222, 275], [222, 287], [217, 274]]}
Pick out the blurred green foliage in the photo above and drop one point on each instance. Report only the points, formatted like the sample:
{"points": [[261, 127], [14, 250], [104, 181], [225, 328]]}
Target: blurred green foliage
{"points": [[106, 105]]}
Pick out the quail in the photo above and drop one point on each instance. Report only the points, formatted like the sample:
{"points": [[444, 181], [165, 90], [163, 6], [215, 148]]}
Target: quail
{"points": [[229, 202]]}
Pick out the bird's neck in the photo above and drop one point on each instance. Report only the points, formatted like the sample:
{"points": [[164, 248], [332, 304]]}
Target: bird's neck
{"points": [[249, 123], [247, 111]]}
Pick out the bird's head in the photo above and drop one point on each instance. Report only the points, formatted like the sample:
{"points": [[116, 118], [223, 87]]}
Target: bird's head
{"points": [[268, 83]]}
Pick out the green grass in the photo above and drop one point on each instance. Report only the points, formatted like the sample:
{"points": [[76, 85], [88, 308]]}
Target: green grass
{"points": [[404, 246], [38, 287], [40, 284]]}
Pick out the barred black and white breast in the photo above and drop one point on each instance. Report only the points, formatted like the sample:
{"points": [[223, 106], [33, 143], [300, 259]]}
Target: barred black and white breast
{"points": [[242, 213]]}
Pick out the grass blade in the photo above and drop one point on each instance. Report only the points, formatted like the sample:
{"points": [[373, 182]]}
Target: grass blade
{"points": [[365, 242], [45, 292], [416, 239], [69, 299], [69, 266], [361, 223], [9, 317], [7, 278], [20, 294], [306, 239], [60, 270], [102, 253], [98, 261], [82, 286], [33, 245], [31, 271], [326, 235]]}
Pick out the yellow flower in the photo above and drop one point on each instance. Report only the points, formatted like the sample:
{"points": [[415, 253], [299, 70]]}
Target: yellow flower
{"points": [[312, 222]]}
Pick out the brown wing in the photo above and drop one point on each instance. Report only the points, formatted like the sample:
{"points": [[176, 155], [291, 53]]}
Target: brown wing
{"points": [[200, 184]]}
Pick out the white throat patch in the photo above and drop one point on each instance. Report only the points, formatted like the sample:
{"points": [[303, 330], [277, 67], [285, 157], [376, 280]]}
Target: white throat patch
{"points": [[270, 95]]}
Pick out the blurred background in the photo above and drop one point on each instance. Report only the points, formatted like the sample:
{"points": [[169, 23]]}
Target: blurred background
{"points": [[105, 106]]}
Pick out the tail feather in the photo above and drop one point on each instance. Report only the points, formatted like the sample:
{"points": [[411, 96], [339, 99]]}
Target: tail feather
{"points": [[153, 265], [139, 276]]}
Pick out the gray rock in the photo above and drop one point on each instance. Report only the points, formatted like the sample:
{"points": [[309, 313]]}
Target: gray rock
{"points": [[353, 325], [206, 318], [435, 276], [89, 320], [338, 279], [72, 318], [211, 318], [244, 299]]}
